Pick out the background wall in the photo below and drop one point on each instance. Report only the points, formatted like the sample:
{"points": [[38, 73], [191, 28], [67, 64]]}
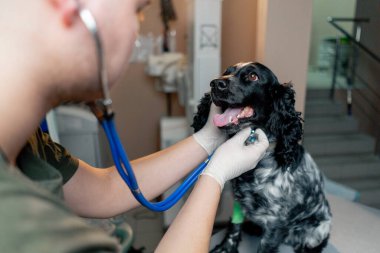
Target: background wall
{"points": [[274, 32], [366, 100], [283, 44], [321, 29], [138, 105], [239, 31]]}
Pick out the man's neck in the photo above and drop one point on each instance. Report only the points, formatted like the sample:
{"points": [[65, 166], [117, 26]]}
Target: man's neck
{"points": [[22, 106]]}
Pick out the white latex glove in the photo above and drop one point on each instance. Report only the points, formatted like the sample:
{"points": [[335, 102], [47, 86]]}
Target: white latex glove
{"points": [[210, 136], [233, 158]]}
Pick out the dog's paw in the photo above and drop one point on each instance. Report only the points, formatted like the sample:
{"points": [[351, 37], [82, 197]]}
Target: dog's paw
{"points": [[251, 228], [231, 240]]}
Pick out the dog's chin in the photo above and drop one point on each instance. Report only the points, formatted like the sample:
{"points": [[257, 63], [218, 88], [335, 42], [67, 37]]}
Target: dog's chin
{"points": [[232, 129]]}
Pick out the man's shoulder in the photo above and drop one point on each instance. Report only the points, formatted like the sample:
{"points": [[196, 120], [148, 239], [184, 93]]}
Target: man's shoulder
{"points": [[42, 220]]}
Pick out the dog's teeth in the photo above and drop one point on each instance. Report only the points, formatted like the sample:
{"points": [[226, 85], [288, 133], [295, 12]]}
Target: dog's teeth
{"points": [[230, 119]]}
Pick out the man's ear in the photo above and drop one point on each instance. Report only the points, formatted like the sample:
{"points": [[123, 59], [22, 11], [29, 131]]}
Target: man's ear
{"points": [[67, 9]]}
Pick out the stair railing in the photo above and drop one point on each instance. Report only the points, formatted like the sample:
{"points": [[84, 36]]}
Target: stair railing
{"points": [[364, 88], [355, 40]]}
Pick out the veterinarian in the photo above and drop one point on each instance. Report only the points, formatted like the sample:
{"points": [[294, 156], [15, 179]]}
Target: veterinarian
{"points": [[48, 57]]}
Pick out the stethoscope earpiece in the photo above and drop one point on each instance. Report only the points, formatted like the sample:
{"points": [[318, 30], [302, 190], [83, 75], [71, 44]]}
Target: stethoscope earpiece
{"points": [[90, 23]]}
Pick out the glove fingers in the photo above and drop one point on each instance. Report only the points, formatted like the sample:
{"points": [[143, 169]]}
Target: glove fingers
{"points": [[241, 136], [261, 138], [260, 145]]}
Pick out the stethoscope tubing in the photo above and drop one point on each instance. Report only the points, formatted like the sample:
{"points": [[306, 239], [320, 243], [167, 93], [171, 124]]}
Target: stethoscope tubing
{"points": [[125, 170], [118, 153]]}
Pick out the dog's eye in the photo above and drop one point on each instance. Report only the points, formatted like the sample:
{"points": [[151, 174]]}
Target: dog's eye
{"points": [[253, 77]]}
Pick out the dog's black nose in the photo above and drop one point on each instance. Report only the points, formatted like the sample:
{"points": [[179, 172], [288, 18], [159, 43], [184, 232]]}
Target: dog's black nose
{"points": [[218, 83]]}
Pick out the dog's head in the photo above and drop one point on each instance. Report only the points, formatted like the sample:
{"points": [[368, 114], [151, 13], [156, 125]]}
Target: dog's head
{"points": [[250, 95], [243, 93]]}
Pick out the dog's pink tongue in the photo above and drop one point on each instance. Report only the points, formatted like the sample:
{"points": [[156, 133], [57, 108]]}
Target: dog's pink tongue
{"points": [[226, 117]]}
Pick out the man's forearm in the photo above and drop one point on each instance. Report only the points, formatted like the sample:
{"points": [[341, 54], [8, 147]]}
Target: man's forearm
{"points": [[191, 230], [101, 193]]}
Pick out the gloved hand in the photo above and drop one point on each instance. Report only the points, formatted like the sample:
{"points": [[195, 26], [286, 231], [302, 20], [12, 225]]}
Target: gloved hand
{"points": [[210, 136], [233, 157]]}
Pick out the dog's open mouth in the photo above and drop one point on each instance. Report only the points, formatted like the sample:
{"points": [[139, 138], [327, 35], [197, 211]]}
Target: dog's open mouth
{"points": [[232, 116]]}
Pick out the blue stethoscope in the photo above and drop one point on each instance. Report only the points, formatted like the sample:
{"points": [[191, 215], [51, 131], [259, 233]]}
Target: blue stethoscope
{"points": [[103, 111]]}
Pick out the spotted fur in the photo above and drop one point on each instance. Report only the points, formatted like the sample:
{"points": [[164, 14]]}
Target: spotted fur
{"points": [[284, 193]]}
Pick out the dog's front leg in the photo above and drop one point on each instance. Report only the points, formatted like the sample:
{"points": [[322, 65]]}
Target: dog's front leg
{"points": [[230, 241], [232, 238], [271, 240]]}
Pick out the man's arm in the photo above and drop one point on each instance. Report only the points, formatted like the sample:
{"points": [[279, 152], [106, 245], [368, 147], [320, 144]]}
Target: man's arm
{"points": [[33, 220], [191, 229], [193, 225], [101, 193]]}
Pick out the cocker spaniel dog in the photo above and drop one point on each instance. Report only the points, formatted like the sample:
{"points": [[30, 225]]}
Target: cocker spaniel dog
{"points": [[284, 193]]}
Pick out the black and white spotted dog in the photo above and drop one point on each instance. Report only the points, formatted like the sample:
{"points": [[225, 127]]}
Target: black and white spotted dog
{"points": [[284, 193]]}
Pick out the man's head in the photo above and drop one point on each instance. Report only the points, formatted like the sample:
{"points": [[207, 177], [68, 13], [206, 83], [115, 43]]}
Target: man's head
{"points": [[118, 26], [48, 38]]}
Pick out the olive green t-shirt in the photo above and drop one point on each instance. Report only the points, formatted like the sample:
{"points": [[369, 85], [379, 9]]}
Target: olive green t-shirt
{"points": [[33, 217], [47, 163]]}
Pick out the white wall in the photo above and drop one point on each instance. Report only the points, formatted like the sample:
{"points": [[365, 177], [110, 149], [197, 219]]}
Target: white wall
{"points": [[321, 29]]}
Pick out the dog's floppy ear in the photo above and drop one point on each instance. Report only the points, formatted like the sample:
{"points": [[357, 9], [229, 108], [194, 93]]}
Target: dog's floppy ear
{"points": [[201, 116], [286, 124]]}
